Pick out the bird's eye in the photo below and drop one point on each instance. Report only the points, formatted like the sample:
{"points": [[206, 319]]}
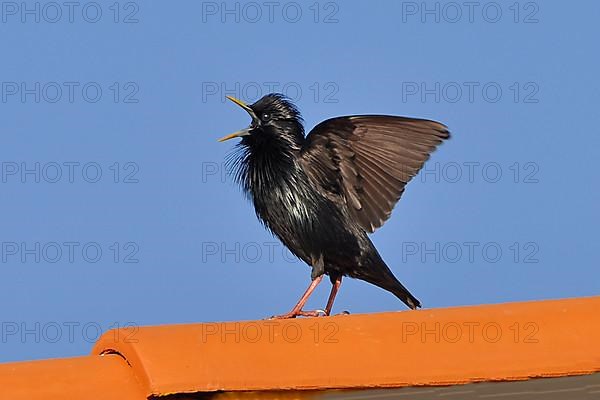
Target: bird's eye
{"points": [[265, 117]]}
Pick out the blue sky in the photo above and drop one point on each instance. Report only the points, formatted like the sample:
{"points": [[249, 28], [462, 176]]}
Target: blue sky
{"points": [[116, 209]]}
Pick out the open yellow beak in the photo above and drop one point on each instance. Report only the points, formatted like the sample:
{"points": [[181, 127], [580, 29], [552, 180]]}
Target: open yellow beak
{"points": [[242, 132], [241, 104], [232, 135]]}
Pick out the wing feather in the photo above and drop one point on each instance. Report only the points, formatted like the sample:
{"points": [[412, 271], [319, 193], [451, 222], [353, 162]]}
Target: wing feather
{"points": [[365, 161]]}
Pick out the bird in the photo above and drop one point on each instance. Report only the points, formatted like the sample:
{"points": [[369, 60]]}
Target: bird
{"points": [[322, 193]]}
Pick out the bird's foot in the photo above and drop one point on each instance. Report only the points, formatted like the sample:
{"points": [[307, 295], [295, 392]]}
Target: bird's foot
{"points": [[301, 313]]}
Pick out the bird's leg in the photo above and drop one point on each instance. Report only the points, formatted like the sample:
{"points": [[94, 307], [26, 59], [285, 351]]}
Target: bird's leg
{"points": [[335, 286], [297, 310]]}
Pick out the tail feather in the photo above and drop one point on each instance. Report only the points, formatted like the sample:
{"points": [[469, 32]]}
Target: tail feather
{"points": [[380, 275], [391, 284], [407, 298]]}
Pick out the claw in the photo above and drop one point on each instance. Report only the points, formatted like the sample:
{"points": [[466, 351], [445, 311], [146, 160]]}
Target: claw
{"points": [[301, 313], [314, 313]]}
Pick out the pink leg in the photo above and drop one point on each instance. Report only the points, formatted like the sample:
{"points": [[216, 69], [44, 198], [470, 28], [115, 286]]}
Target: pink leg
{"points": [[297, 310], [334, 289]]}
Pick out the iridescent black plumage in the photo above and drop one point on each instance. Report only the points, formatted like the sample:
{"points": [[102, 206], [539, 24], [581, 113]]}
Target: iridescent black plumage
{"points": [[322, 193]]}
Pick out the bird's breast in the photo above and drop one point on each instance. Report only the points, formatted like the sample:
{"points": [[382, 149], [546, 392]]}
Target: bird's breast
{"points": [[286, 203], [304, 220]]}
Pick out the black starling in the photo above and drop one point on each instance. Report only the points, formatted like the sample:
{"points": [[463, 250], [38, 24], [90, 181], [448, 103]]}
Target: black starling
{"points": [[321, 194]]}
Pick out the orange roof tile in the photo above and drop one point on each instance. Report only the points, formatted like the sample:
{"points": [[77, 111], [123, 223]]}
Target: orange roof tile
{"points": [[70, 378], [511, 341]]}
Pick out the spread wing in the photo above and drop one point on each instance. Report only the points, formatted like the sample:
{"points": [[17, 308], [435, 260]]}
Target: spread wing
{"points": [[365, 161]]}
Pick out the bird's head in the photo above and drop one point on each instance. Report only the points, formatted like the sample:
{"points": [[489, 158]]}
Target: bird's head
{"points": [[274, 118]]}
